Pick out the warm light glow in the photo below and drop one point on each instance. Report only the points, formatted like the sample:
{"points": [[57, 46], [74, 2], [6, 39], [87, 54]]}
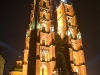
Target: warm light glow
{"points": [[79, 35], [43, 70], [64, 1]]}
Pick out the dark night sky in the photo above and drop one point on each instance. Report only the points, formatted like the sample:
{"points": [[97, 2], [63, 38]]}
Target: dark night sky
{"points": [[14, 20]]}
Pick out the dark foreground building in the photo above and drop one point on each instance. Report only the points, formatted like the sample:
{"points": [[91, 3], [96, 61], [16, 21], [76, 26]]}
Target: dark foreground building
{"points": [[2, 64]]}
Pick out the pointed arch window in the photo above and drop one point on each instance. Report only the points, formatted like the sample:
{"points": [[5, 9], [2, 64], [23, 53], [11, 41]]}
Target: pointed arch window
{"points": [[45, 55], [59, 64], [44, 16], [67, 10], [43, 40], [76, 71], [44, 4], [43, 70], [43, 27], [69, 21]]}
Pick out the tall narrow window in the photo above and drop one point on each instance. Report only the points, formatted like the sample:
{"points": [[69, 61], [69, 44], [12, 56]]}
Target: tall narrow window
{"points": [[44, 16], [43, 29], [44, 4], [43, 71], [43, 56], [67, 10], [43, 41], [49, 3], [76, 71], [59, 64]]}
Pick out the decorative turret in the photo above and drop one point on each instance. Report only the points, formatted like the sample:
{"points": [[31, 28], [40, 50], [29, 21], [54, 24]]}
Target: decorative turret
{"points": [[18, 68]]}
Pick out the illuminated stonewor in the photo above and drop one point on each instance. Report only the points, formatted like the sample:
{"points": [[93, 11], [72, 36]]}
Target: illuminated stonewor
{"points": [[67, 25], [48, 52], [53, 53], [39, 54]]}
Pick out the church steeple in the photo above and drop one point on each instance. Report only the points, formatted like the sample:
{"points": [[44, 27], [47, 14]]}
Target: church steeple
{"points": [[67, 23], [53, 53]]}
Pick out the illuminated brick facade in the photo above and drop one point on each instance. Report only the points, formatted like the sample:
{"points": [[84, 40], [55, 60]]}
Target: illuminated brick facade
{"points": [[53, 53], [57, 53], [66, 18]]}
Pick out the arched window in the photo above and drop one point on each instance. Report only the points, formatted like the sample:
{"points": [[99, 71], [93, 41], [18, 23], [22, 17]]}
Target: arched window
{"points": [[43, 70], [67, 10], [43, 15], [42, 53], [69, 21], [44, 4], [59, 65], [43, 40], [45, 55], [43, 27], [76, 71]]}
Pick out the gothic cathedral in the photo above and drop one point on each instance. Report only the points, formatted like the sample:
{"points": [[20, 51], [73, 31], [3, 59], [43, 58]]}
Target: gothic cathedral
{"points": [[50, 52]]}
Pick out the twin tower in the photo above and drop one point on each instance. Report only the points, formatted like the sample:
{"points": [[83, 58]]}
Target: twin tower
{"points": [[50, 52]]}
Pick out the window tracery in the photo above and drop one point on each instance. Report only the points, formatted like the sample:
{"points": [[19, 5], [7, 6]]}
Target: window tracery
{"points": [[45, 54], [43, 27]]}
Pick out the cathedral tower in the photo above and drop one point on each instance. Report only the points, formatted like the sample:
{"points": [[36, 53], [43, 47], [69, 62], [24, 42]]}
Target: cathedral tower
{"points": [[53, 53], [67, 26], [39, 53], [48, 52]]}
